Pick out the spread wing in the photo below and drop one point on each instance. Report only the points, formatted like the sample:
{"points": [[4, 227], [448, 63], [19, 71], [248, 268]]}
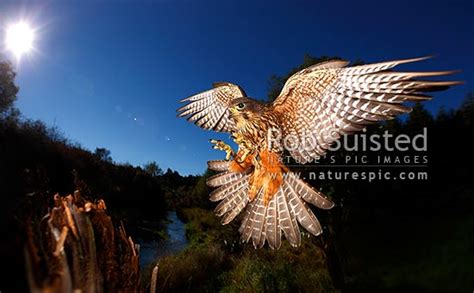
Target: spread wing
{"points": [[209, 109], [324, 101]]}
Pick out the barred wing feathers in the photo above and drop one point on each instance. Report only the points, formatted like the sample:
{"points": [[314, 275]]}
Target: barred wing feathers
{"points": [[328, 100], [272, 228], [209, 109], [266, 223]]}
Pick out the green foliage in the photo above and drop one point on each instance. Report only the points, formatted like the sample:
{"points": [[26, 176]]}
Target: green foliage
{"points": [[288, 269], [192, 191], [103, 154], [153, 169], [202, 226], [419, 117], [198, 265], [37, 159], [467, 110], [8, 90], [194, 269], [216, 260], [435, 247]]}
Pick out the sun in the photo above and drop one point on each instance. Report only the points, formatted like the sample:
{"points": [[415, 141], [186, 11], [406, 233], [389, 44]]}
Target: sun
{"points": [[19, 38]]}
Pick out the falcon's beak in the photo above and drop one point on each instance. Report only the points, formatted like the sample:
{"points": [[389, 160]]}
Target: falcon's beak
{"points": [[233, 112]]}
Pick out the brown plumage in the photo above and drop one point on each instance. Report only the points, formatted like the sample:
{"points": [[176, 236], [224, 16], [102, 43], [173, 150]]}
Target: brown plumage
{"points": [[323, 101]]}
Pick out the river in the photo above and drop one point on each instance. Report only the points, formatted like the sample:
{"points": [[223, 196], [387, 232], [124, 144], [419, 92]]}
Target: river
{"points": [[152, 250]]}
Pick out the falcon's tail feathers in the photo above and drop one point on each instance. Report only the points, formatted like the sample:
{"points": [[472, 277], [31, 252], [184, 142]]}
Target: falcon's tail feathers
{"points": [[265, 223]]}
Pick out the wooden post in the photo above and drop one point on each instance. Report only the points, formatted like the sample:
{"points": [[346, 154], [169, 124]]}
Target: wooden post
{"points": [[154, 276]]}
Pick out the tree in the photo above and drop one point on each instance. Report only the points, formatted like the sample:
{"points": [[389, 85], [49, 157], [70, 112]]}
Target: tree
{"points": [[444, 117], [394, 125], [103, 154], [466, 110], [153, 169], [418, 118], [8, 90]]}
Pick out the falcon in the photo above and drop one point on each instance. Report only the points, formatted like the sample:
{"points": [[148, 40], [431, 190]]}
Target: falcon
{"points": [[316, 106]]}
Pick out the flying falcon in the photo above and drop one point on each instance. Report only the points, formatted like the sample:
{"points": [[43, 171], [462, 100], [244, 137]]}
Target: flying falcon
{"points": [[315, 107]]}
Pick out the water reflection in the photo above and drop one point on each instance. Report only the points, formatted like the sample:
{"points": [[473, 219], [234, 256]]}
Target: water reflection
{"points": [[151, 250]]}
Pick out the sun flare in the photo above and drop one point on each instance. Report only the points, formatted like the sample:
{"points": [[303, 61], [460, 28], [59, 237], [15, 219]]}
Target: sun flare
{"points": [[19, 38]]}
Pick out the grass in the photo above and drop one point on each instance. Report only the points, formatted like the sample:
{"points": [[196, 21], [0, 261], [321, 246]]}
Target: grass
{"points": [[429, 255], [216, 260], [192, 270], [385, 254], [288, 269]]}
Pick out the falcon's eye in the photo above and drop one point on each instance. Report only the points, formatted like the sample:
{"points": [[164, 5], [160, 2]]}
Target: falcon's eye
{"points": [[240, 106]]}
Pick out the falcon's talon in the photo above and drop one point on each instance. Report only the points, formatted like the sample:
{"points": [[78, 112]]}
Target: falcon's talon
{"points": [[238, 139], [222, 146], [241, 158]]}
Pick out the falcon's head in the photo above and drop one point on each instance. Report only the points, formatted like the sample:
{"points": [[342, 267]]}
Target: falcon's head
{"points": [[244, 110]]}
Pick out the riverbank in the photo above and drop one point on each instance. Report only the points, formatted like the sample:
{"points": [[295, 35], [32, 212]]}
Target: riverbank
{"points": [[216, 260], [381, 253], [173, 242]]}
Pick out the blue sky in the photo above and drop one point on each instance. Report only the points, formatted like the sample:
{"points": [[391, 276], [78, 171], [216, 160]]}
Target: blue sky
{"points": [[110, 73]]}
